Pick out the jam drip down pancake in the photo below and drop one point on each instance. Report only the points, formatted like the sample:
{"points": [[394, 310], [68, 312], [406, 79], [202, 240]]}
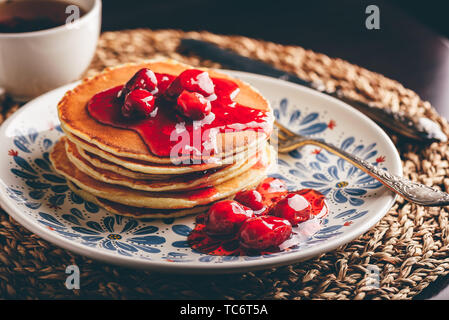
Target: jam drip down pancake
{"points": [[157, 200]]}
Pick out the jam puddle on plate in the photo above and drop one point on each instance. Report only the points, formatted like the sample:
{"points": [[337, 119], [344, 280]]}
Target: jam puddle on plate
{"points": [[272, 192]]}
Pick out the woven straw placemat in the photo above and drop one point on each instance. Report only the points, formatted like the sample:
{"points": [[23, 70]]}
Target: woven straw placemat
{"points": [[409, 245]]}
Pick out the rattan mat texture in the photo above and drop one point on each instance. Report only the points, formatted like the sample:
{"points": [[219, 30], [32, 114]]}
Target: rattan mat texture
{"points": [[409, 245]]}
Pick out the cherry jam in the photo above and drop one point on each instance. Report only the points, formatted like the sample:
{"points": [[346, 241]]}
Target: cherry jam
{"points": [[167, 133], [247, 242]]}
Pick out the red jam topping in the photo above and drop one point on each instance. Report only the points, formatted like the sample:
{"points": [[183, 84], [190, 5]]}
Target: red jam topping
{"points": [[187, 113], [191, 80], [286, 219], [262, 233], [138, 103], [272, 190], [202, 193], [294, 207], [144, 79], [225, 218], [193, 105], [250, 198], [316, 200]]}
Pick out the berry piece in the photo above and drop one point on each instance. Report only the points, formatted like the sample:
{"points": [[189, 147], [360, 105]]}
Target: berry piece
{"points": [[316, 200], [272, 185], [138, 103], [192, 80], [272, 190], [294, 207], [264, 232], [193, 105], [250, 198], [143, 79], [225, 218]]}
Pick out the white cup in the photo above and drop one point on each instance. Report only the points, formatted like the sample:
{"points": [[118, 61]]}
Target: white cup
{"points": [[32, 63]]}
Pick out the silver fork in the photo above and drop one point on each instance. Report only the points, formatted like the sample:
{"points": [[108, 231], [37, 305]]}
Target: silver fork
{"points": [[412, 191]]}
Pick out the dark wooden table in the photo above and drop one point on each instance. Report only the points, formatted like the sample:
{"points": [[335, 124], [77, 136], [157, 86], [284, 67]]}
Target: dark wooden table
{"points": [[402, 49]]}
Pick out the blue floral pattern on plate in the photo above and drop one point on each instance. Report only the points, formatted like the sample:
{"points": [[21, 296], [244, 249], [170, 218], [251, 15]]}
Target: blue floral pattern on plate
{"points": [[44, 197]]}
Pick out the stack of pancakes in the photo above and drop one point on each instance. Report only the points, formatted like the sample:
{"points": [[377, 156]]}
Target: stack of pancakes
{"points": [[113, 168]]}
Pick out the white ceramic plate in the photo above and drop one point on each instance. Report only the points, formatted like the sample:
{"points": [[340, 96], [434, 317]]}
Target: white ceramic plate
{"points": [[39, 199]]}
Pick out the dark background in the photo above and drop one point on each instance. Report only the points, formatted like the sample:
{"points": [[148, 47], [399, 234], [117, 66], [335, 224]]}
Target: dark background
{"points": [[409, 47], [433, 13]]}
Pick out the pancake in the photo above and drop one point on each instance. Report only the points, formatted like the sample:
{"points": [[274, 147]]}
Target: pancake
{"points": [[155, 200], [191, 181], [75, 119], [99, 162], [115, 168], [135, 212], [100, 158]]}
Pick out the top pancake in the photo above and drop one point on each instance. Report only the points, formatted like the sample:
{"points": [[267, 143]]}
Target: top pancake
{"points": [[127, 143]]}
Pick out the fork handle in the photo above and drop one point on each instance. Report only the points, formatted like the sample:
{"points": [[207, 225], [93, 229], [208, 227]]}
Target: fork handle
{"points": [[412, 191]]}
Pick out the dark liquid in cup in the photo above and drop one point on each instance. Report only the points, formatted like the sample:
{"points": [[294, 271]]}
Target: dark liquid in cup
{"points": [[28, 16]]}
